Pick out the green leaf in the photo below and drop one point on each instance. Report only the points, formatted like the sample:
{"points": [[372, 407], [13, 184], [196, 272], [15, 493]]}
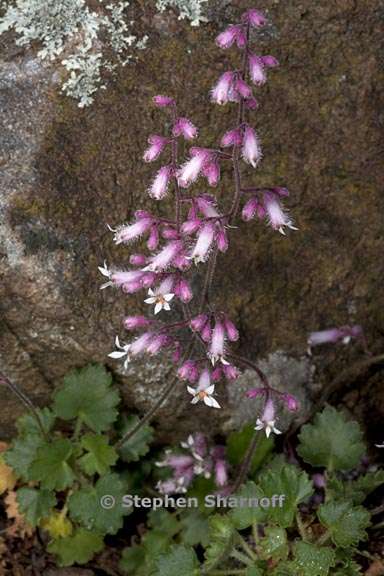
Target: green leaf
{"points": [[78, 548], [221, 537], [354, 490], [100, 456], [22, 453], [85, 506], [331, 441], [237, 445], [289, 482], [35, 504], [247, 509], [345, 523], [311, 560], [253, 571], [195, 528], [138, 445], [179, 561], [87, 394], [274, 544], [164, 521], [27, 424], [50, 465], [348, 566], [133, 560], [284, 569]]}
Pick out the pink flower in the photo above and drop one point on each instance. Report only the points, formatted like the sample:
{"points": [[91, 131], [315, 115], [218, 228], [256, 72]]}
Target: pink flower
{"points": [[153, 239], [192, 168], [212, 172], [129, 232], [242, 88], [269, 61], [157, 145], [221, 92], [343, 334], [163, 101], [222, 239], [188, 371], [231, 330], [216, 349], [137, 259], [230, 372], [204, 242], [227, 38], [256, 69], [291, 402], [159, 187], [136, 322], [139, 346], [184, 127], [164, 258], [183, 290], [278, 219], [157, 343], [251, 147], [254, 17], [232, 138], [207, 205], [190, 226], [249, 209], [221, 472], [198, 323]]}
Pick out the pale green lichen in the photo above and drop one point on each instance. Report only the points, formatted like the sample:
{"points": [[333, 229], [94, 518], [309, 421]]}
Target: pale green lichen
{"points": [[193, 10], [71, 31], [81, 37]]}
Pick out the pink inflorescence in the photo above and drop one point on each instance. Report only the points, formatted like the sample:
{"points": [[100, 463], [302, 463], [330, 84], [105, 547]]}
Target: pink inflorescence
{"points": [[196, 459], [199, 336]]}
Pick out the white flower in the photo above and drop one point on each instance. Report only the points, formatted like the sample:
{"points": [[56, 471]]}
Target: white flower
{"points": [[204, 391], [123, 350], [267, 420], [161, 301], [379, 445], [105, 272], [269, 427]]}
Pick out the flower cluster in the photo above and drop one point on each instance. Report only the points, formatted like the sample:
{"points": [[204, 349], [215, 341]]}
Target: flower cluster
{"points": [[196, 460], [200, 342]]}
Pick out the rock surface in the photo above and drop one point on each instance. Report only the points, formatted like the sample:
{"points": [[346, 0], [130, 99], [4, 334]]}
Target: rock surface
{"points": [[66, 172]]}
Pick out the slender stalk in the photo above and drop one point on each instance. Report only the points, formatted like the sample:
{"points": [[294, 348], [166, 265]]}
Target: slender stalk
{"points": [[246, 547], [324, 538], [253, 366], [246, 463], [151, 413], [301, 527], [18, 392], [243, 558]]}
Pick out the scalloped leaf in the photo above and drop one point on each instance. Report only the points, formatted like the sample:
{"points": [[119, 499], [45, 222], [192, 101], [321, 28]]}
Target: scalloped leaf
{"points": [[248, 510], [35, 504], [78, 548], [87, 394], [331, 441], [99, 457], [221, 535], [274, 544], [85, 506], [290, 482], [312, 560], [50, 466], [180, 560], [345, 523]]}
